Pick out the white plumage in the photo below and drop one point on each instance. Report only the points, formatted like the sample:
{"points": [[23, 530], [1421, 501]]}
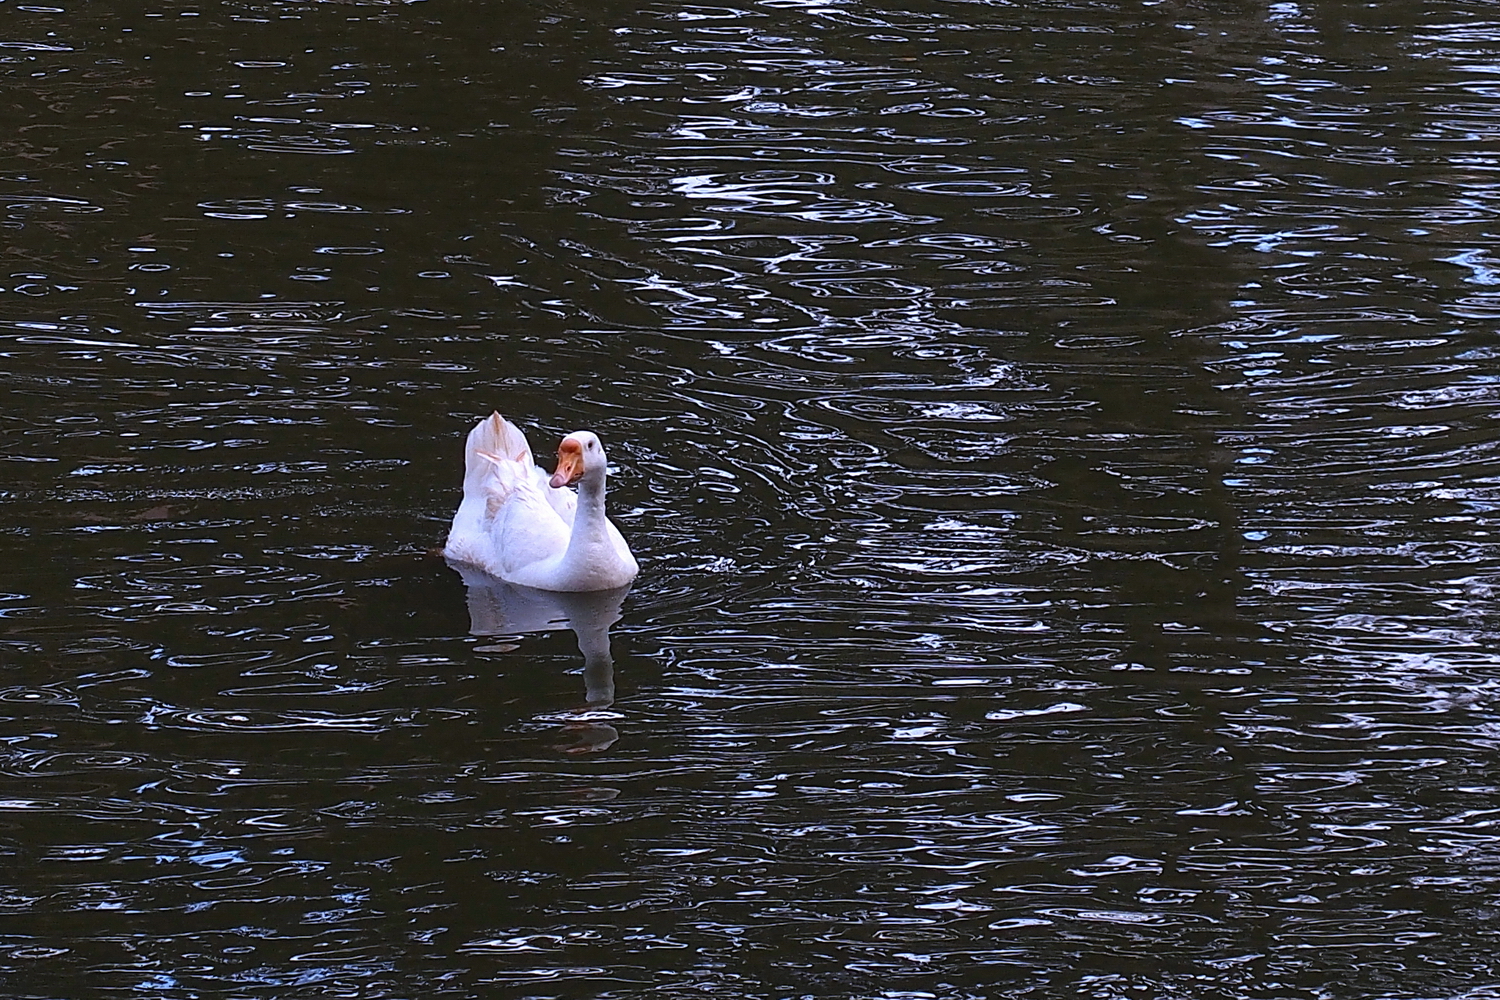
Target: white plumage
{"points": [[521, 525]]}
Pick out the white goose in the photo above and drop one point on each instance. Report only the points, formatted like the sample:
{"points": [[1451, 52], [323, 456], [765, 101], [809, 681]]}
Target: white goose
{"points": [[519, 524]]}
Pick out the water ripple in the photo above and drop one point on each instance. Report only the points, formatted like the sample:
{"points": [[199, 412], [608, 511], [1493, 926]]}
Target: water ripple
{"points": [[1058, 441]]}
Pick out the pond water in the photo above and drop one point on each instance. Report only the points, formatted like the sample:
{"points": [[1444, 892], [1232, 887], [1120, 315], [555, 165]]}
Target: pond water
{"points": [[1059, 439]]}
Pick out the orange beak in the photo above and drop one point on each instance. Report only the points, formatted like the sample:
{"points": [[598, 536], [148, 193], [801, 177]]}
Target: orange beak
{"points": [[569, 463]]}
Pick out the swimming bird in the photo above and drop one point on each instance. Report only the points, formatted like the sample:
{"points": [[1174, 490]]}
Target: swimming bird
{"points": [[524, 526]]}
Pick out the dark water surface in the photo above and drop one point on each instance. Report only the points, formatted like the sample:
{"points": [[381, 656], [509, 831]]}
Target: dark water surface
{"points": [[1060, 440]]}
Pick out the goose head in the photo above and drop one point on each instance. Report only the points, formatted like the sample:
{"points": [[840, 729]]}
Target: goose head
{"points": [[579, 457]]}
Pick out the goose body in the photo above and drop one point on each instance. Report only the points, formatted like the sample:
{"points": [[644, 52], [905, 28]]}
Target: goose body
{"points": [[524, 526]]}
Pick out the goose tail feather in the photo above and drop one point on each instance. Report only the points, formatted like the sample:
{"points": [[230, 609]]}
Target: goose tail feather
{"points": [[492, 439]]}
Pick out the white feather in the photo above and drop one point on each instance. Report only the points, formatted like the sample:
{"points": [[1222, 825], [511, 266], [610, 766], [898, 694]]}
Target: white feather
{"points": [[514, 525]]}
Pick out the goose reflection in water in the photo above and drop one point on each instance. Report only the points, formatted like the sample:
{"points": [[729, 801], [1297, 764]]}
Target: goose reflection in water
{"points": [[497, 608]]}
